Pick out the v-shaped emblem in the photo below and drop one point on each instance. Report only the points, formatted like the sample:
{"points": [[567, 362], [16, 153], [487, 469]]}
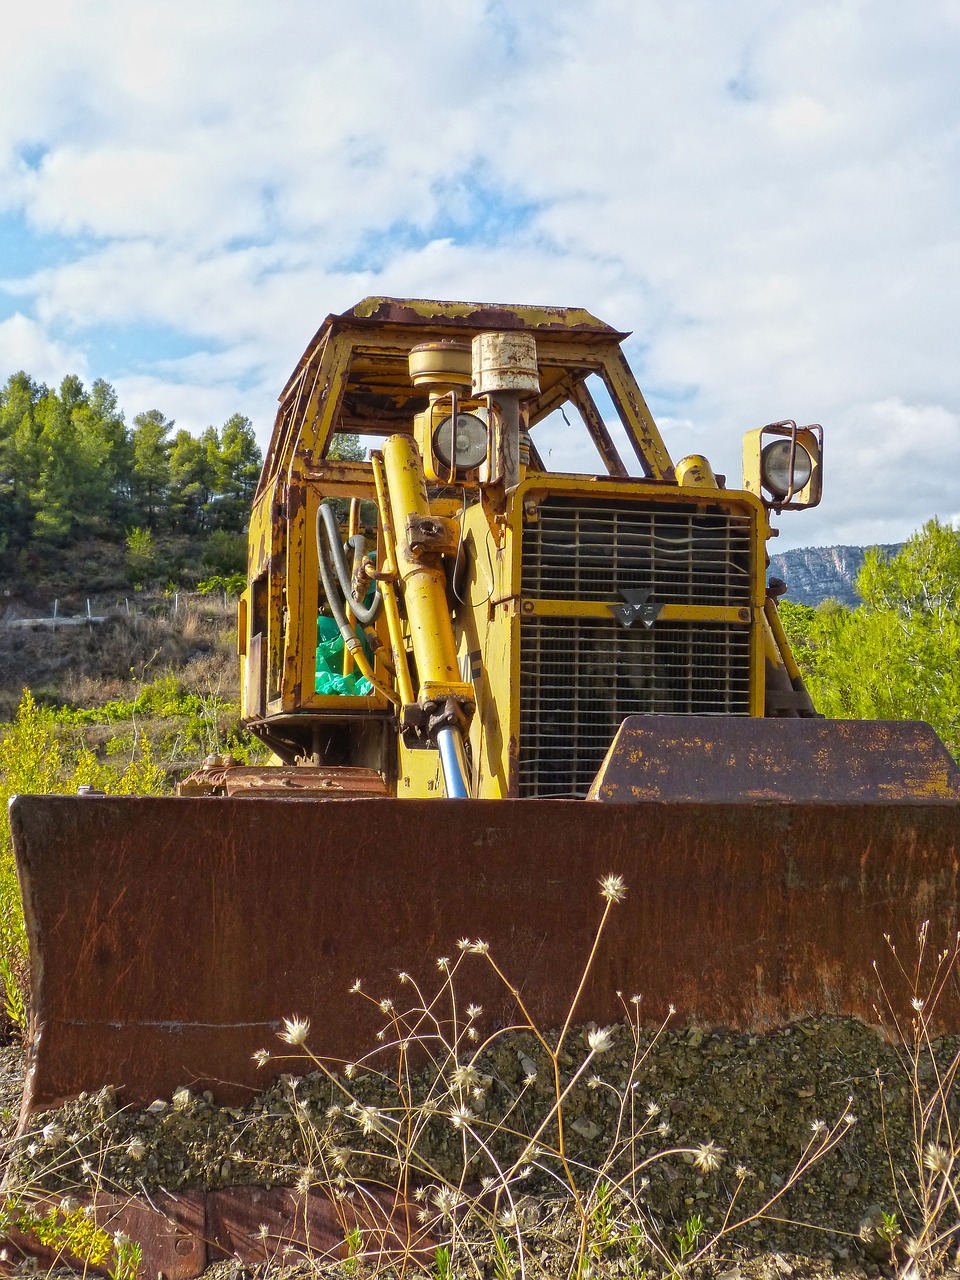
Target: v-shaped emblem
{"points": [[638, 608]]}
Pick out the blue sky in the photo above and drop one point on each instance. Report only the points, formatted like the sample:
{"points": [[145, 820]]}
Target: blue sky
{"points": [[766, 195]]}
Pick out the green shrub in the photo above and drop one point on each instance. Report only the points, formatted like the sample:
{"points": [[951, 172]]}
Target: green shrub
{"points": [[39, 757]]}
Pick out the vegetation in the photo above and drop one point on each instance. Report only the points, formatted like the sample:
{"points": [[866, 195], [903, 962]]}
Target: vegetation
{"points": [[71, 469], [896, 657]]}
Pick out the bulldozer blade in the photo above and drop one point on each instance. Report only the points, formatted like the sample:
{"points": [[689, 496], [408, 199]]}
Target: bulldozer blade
{"points": [[168, 937]]}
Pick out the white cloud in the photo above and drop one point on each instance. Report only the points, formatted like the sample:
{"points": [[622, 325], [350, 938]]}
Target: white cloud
{"points": [[25, 345], [767, 197]]}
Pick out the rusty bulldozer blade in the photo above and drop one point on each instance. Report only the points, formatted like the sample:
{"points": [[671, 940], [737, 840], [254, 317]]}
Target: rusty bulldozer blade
{"points": [[169, 937]]}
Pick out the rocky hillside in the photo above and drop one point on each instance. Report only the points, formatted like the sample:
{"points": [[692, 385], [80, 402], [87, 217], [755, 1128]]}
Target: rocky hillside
{"points": [[813, 574]]}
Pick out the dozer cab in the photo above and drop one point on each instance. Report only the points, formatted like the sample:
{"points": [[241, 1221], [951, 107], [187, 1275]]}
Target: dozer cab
{"points": [[487, 682]]}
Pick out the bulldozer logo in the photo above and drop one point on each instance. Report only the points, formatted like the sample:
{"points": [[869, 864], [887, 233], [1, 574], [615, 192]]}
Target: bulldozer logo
{"points": [[638, 607]]}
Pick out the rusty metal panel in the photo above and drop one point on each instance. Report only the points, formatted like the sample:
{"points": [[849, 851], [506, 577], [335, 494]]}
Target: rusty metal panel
{"points": [[313, 1225], [168, 937], [702, 758], [170, 1229]]}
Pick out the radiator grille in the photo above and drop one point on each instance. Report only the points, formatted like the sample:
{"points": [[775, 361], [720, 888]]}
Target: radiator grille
{"points": [[579, 677], [593, 551]]}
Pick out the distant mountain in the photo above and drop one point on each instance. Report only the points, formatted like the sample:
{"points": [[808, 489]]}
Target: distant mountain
{"points": [[813, 574]]}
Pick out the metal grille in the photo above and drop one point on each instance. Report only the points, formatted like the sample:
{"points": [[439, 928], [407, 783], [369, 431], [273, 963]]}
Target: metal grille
{"points": [[579, 677], [579, 550]]}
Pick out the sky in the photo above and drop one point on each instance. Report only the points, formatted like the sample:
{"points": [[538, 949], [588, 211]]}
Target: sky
{"points": [[766, 194]]}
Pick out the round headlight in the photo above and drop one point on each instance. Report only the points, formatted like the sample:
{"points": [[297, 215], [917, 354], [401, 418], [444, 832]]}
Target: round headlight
{"points": [[775, 468], [471, 442]]}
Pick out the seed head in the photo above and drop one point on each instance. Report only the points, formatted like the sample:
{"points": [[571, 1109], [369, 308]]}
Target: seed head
{"points": [[295, 1030], [709, 1157], [600, 1040], [261, 1057], [653, 1109], [460, 1116], [529, 1079], [937, 1159], [508, 1218], [355, 988], [386, 1005], [52, 1134], [68, 1205], [135, 1149], [474, 1010], [120, 1240], [917, 1004], [464, 1077], [443, 964], [350, 1070], [479, 947], [368, 1118], [742, 1172], [613, 888]]}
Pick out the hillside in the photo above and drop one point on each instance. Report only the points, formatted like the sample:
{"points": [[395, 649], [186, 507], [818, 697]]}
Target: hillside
{"points": [[814, 574]]}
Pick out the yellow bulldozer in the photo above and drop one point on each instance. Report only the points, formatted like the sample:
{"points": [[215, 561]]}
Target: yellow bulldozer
{"points": [[486, 683]]}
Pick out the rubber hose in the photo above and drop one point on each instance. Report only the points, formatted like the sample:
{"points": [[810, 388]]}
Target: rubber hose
{"points": [[327, 521]]}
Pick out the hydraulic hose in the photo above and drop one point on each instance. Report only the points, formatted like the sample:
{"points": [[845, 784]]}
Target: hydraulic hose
{"points": [[327, 524], [351, 643]]}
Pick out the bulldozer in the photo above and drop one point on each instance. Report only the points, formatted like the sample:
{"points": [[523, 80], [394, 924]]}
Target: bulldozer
{"points": [[486, 682]]}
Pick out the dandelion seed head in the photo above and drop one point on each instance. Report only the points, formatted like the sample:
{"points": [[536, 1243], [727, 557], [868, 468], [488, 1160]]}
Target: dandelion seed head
{"points": [[295, 1030], [613, 888]]}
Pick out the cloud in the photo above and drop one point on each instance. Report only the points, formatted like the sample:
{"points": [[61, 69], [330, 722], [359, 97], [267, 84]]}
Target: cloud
{"points": [[25, 345], [766, 197]]}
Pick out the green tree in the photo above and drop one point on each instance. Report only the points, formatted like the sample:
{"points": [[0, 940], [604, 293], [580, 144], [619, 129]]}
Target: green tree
{"points": [[150, 472], [897, 657], [236, 461], [191, 480], [19, 456]]}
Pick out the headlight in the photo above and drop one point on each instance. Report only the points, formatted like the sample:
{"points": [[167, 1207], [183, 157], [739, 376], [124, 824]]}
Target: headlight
{"points": [[775, 468], [471, 442]]}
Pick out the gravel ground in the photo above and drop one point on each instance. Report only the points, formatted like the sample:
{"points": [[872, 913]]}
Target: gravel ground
{"points": [[747, 1107]]}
